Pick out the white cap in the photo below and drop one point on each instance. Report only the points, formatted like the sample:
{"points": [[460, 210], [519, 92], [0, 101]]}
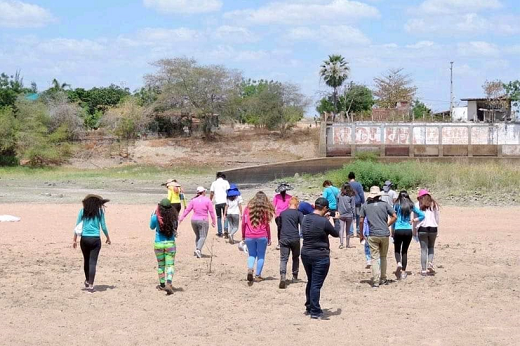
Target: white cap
{"points": [[201, 189]]}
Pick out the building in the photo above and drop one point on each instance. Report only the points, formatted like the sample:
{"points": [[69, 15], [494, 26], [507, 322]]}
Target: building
{"points": [[488, 110]]}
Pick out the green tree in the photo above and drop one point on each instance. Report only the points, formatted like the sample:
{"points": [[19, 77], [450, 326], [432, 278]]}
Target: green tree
{"points": [[334, 71], [394, 87], [512, 90], [8, 127], [10, 88], [355, 99], [420, 110]]}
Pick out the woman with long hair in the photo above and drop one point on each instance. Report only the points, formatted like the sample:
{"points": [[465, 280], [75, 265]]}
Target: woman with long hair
{"points": [[233, 211], [164, 221], [347, 212], [256, 232], [402, 232], [92, 218], [427, 230], [281, 203], [201, 206]]}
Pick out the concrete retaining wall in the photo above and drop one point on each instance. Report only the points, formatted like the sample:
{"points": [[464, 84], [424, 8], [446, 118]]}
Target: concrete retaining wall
{"points": [[421, 139]]}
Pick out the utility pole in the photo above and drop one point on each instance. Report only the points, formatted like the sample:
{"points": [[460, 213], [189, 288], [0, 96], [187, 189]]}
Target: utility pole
{"points": [[451, 89]]}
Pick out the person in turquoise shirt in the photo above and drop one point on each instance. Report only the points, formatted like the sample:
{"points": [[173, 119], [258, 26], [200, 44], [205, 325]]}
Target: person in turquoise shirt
{"points": [[92, 219], [331, 194], [165, 222], [402, 231]]}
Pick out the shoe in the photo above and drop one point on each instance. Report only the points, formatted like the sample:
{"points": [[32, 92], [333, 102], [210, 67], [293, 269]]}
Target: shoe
{"points": [[226, 235], [384, 282], [404, 275], [198, 253], [375, 285], [398, 271], [317, 317], [424, 273], [86, 284], [369, 265], [295, 278], [341, 246], [259, 279], [282, 284], [90, 288], [307, 313], [160, 287], [219, 235], [431, 270], [169, 289], [278, 247], [250, 275]]}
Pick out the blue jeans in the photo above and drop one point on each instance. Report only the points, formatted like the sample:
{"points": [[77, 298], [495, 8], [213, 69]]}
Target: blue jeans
{"points": [[219, 210], [256, 248], [351, 232], [317, 270], [367, 251]]}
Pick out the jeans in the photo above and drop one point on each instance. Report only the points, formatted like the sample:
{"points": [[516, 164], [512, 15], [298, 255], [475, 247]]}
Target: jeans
{"points": [[316, 270], [256, 248], [427, 236], [367, 251], [90, 247], [219, 210], [286, 247], [378, 251], [233, 221], [402, 239], [200, 228], [358, 210]]}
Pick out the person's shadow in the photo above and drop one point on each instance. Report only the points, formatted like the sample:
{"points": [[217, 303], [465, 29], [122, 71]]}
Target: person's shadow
{"points": [[327, 313], [103, 288]]}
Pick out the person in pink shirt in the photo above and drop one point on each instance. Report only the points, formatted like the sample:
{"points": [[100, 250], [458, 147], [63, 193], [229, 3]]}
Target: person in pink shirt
{"points": [[201, 206], [256, 233], [281, 203]]}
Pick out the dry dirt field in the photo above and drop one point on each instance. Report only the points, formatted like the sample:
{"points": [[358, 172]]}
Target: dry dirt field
{"points": [[473, 299]]}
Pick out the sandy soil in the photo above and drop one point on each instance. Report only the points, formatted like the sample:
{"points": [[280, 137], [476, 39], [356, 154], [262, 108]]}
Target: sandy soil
{"points": [[473, 299]]}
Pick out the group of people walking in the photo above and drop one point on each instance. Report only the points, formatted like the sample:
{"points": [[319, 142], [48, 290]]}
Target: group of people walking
{"points": [[343, 213]]}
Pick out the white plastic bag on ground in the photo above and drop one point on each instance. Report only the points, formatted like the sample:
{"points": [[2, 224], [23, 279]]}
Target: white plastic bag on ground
{"points": [[9, 218]]}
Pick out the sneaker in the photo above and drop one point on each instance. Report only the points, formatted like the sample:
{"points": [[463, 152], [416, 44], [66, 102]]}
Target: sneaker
{"points": [[341, 246], [169, 289], [90, 288], [219, 235], [384, 282], [198, 253], [86, 284], [295, 278], [404, 275], [375, 285], [259, 279], [161, 287], [282, 284], [431, 270], [317, 317], [250, 275], [369, 265], [398, 271], [424, 273], [226, 235], [278, 247]]}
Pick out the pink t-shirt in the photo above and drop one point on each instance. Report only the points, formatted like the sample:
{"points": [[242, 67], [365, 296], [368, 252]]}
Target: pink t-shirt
{"points": [[260, 231], [201, 206], [280, 205]]}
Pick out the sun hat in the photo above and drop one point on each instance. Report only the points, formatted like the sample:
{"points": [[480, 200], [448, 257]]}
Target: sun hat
{"points": [[321, 202], [423, 192], [165, 202], [103, 201], [233, 191], [375, 191], [387, 186], [201, 189], [283, 187], [173, 184]]}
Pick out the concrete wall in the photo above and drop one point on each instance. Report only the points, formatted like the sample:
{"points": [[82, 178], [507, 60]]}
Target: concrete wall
{"points": [[421, 139]]}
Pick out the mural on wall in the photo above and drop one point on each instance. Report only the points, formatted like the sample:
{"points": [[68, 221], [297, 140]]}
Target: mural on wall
{"points": [[455, 135], [368, 135], [426, 135], [341, 135], [397, 135]]}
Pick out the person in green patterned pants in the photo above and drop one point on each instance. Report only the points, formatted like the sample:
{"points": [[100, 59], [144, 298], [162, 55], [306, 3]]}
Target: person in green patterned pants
{"points": [[164, 221]]}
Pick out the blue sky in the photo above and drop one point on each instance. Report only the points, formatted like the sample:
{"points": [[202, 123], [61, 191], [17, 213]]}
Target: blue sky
{"points": [[93, 43]]}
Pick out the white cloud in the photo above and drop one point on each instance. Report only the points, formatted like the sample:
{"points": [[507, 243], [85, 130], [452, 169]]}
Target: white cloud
{"points": [[339, 35], [69, 46], [295, 12], [184, 6], [478, 48], [160, 37], [234, 34], [17, 14], [457, 6], [421, 45]]}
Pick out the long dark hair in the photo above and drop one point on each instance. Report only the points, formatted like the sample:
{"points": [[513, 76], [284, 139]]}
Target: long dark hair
{"points": [[405, 203], [169, 218], [92, 207], [427, 202], [346, 190]]}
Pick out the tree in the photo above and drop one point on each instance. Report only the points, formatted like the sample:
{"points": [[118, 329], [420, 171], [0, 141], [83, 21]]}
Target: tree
{"points": [[334, 72], [513, 92], [495, 96], [394, 87], [8, 127], [128, 120], [355, 99], [201, 90], [67, 115], [420, 110], [10, 88], [57, 86]]}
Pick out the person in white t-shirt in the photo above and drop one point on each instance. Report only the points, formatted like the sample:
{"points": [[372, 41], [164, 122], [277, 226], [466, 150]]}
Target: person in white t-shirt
{"points": [[389, 195], [218, 190], [233, 211]]}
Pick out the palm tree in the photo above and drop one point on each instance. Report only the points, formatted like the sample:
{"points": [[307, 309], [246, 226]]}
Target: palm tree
{"points": [[334, 72], [57, 86]]}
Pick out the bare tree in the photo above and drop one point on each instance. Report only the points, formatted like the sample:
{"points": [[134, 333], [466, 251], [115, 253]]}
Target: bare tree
{"points": [[394, 87], [495, 97]]}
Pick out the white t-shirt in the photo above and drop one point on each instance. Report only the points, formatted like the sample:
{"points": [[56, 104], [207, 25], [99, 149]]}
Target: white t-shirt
{"points": [[219, 187], [233, 206], [389, 197]]}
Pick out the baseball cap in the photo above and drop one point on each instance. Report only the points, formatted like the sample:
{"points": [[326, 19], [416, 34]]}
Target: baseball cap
{"points": [[321, 202], [201, 189]]}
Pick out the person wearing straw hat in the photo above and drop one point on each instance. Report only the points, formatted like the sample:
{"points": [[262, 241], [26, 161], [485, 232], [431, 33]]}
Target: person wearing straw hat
{"points": [[90, 219], [281, 203], [377, 212], [201, 207], [233, 211], [175, 195], [164, 221]]}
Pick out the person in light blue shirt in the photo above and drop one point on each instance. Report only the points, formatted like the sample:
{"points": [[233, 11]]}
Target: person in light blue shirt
{"points": [[402, 232], [92, 219], [331, 194], [164, 221]]}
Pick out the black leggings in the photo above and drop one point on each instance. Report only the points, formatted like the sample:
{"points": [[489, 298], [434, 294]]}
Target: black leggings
{"points": [[278, 221], [90, 247], [177, 207], [402, 239]]}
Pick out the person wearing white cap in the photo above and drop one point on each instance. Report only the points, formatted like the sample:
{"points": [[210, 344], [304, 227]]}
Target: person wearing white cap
{"points": [[389, 195], [377, 213], [201, 206]]}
